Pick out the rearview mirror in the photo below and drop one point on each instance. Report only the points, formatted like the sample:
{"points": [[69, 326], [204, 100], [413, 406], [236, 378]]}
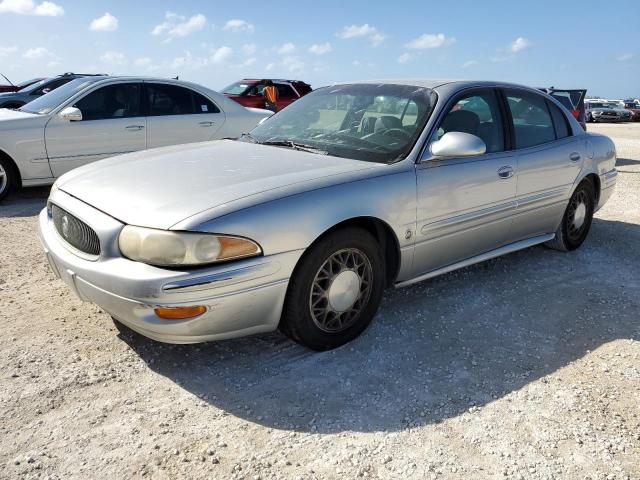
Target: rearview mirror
{"points": [[72, 114], [457, 144]]}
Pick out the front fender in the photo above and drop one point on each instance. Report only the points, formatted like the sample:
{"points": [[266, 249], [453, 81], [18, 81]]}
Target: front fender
{"points": [[295, 222]]}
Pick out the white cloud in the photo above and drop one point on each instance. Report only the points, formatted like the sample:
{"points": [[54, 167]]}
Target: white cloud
{"points": [[404, 58], [469, 63], [105, 23], [519, 44], [238, 25], [249, 48], [430, 40], [4, 51], [176, 26], [320, 48], [366, 30], [29, 7], [37, 53], [221, 54], [113, 58], [143, 62], [286, 48], [290, 64], [623, 57]]}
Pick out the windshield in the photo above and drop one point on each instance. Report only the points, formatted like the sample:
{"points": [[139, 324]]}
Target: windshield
{"points": [[237, 88], [372, 122], [598, 105], [55, 98]]}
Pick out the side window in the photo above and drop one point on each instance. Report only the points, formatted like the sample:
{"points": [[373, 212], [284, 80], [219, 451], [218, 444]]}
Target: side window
{"points": [[169, 100], [256, 90], [532, 122], [113, 101], [559, 121], [284, 90], [50, 86], [477, 113], [203, 104]]}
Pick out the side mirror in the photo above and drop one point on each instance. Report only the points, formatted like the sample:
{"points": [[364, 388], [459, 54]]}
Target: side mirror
{"points": [[72, 114], [458, 144]]}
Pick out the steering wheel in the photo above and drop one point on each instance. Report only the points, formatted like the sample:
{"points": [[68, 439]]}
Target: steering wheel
{"points": [[393, 132]]}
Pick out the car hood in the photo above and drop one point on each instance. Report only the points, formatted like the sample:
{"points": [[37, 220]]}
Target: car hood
{"points": [[159, 188], [9, 115]]}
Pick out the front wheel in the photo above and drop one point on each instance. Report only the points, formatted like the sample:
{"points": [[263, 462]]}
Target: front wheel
{"points": [[7, 177], [335, 290], [577, 218]]}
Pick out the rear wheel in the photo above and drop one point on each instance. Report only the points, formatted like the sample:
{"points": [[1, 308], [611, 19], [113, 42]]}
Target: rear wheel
{"points": [[8, 177], [335, 290], [577, 218]]}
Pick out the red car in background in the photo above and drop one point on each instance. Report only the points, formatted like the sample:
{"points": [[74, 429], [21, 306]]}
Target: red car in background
{"points": [[248, 92], [14, 88], [634, 107]]}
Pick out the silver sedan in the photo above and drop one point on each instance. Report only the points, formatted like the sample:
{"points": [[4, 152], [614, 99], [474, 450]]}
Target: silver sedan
{"points": [[301, 224]]}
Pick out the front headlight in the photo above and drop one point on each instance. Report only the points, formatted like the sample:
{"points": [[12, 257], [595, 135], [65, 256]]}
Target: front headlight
{"points": [[165, 248]]}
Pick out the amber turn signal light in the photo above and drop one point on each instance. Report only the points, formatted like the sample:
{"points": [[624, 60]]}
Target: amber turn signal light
{"points": [[179, 313]]}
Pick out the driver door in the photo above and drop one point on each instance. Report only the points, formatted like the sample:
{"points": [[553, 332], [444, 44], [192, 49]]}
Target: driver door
{"points": [[465, 205], [112, 123]]}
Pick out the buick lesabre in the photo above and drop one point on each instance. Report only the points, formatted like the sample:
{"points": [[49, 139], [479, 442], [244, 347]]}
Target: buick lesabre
{"points": [[302, 223]]}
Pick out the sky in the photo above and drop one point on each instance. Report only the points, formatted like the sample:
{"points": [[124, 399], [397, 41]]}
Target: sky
{"points": [[568, 43]]}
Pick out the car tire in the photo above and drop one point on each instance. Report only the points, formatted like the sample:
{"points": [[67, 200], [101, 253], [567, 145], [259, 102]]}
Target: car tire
{"points": [[576, 221], [8, 177], [335, 290]]}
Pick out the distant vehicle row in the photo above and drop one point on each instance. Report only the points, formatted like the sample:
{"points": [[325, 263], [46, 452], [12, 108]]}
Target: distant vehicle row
{"points": [[599, 110]]}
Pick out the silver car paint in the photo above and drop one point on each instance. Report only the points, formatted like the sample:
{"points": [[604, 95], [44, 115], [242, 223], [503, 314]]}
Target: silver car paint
{"points": [[442, 214], [46, 146]]}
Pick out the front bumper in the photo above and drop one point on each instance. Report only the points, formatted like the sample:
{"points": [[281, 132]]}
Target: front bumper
{"points": [[242, 298]]}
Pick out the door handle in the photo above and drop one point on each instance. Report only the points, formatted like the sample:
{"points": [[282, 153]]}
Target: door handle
{"points": [[505, 172], [206, 124], [134, 127], [574, 157]]}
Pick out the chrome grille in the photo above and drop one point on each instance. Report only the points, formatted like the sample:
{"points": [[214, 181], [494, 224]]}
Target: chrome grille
{"points": [[74, 231]]}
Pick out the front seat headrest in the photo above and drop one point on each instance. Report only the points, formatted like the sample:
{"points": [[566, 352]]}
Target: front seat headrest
{"points": [[461, 121], [387, 121]]}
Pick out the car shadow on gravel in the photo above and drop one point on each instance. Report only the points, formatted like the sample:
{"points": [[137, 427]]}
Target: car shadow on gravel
{"points": [[434, 350], [625, 162], [26, 202]]}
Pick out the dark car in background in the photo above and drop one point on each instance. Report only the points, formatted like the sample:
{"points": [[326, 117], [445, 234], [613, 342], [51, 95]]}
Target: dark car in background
{"points": [[599, 110], [11, 87], [248, 92], [634, 108], [572, 100], [33, 91]]}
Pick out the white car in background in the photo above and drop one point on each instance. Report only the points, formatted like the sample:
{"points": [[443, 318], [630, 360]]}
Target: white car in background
{"points": [[89, 119]]}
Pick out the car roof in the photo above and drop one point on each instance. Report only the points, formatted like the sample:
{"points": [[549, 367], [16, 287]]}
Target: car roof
{"points": [[436, 83]]}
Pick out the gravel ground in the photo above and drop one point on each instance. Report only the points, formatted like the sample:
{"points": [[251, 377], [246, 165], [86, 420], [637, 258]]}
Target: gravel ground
{"points": [[527, 366]]}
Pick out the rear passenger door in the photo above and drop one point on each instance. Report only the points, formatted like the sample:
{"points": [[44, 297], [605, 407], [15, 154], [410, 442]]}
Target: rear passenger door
{"points": [[286, 95], [179, 115], [549, 160]]}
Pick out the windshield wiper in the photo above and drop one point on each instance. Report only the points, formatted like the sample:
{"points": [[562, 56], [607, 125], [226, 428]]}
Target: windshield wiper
{"points": [[295, 145]]}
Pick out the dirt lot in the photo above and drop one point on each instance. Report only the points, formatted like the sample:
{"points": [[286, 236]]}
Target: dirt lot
{"points": [[527, 366]]}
